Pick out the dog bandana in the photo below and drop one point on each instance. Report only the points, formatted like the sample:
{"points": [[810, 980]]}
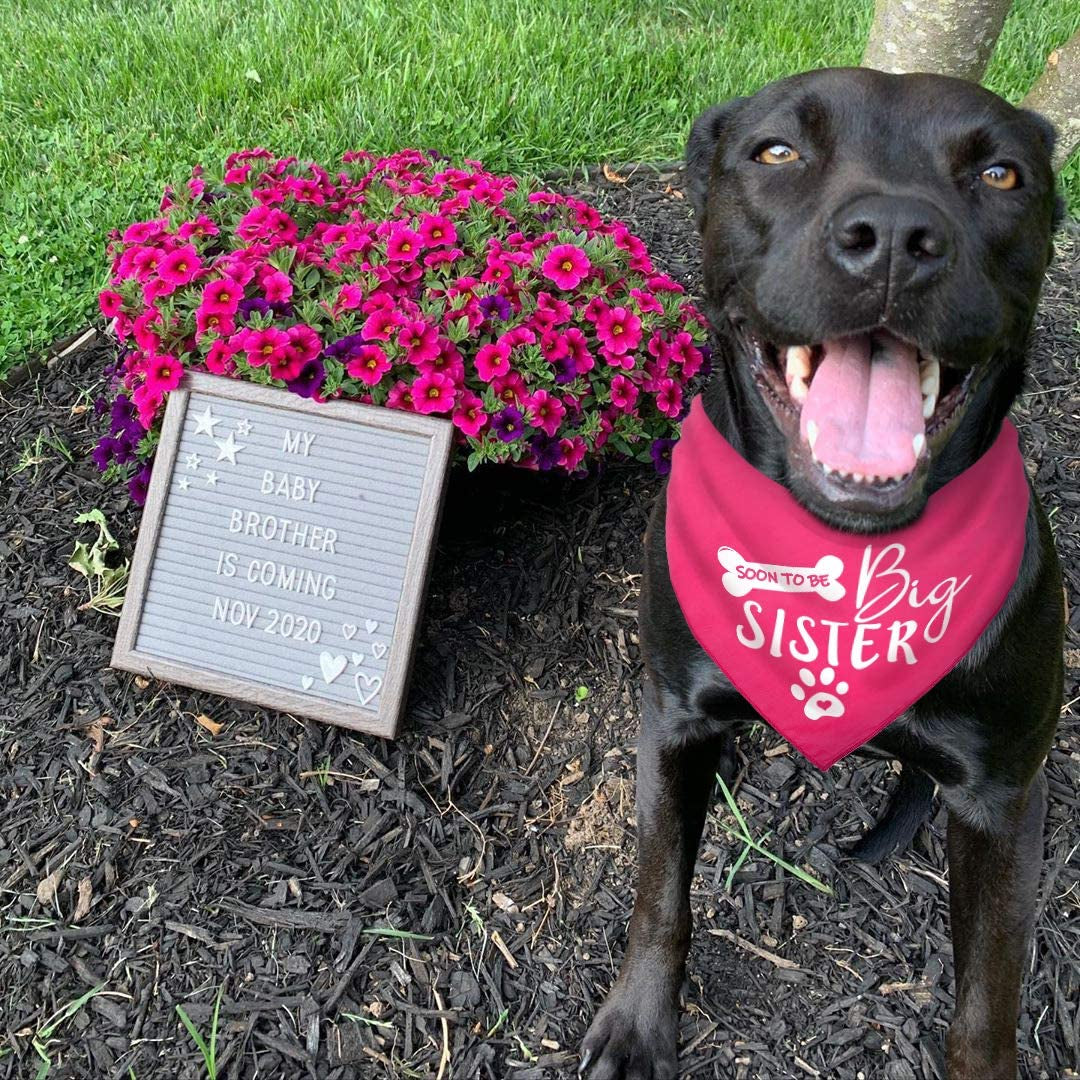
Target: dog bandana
{"points": [[832, 635]]}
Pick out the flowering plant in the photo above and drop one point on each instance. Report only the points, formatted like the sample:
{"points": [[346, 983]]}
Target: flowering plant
{"points": [[538, 328]]}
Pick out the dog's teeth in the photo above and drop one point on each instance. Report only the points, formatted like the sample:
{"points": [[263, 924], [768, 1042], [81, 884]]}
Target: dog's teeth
{"points": [[918, 444], [858, 478], [798, 389], [812, 433], [825, 468], [797, 362], [929, 404], [930, 378]]}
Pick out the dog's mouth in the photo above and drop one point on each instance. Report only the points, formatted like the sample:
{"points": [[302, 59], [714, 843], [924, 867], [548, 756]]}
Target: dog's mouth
{"points": [[863, 415]]}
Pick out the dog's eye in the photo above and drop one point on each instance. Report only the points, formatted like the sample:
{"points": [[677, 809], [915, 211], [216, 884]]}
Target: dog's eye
{"points": [[776, 154], [1002, 177]]}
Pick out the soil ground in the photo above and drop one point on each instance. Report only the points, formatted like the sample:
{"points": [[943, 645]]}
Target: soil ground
{"points": [[145, 854]]}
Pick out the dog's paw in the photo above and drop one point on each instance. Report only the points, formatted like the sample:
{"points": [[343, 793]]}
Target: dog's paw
{"points": [[631, 1039]]}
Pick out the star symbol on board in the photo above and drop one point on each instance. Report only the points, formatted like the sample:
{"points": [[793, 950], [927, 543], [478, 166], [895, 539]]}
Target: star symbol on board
{"points": [[228, 449], [204, 423], [193, 461], [243, 428], [211, 479], [184, 483]]}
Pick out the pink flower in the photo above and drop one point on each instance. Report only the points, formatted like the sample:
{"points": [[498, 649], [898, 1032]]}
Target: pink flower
{"points": [[403, 245], [669, 398], [222, 295], [180, 266], [436, 230], [142, 232], [266, 346], [646, 302], [545, 411], [277, 287], [380, 324], [619, 329], [623, 393], [567, 265], [433, 392], [369, 364], [146, 337], [163, 373], [551, 311], [213, 321], [349, 297], [401, 397], [685, 353], [146, 261], [219, 359], [469, 415], [110, 303], [287, 366], [577, 347], [420, 339], [201, 226], [147, 401], [573, 450], [305, 342], [269, 224], [492, 361], [509, 388]]}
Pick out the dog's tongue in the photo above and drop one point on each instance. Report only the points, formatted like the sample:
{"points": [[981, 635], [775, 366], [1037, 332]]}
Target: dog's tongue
{"points": [[866, 401]]}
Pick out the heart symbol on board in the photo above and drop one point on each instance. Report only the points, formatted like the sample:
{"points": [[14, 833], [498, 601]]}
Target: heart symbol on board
{"points": [[373, 682], [378, 650], [332, 666], [357, 658], [348, 630], [306, 681], [371, 626]]}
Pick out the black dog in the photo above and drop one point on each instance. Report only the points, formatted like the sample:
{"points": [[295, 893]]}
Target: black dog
{"points": [[841, 203]]}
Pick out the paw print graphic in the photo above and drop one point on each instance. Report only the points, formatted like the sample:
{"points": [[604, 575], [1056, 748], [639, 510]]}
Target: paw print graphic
{"points": [[823, 703]]}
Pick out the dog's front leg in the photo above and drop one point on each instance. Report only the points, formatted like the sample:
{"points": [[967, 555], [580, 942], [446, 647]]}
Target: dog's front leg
{"points": [[636, 1032], [993, 881]]}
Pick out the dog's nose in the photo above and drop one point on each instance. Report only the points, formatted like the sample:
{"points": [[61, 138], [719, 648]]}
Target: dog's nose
{"points": [[878, 237]]}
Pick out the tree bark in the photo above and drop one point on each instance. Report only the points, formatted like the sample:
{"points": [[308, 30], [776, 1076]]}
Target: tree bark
{"points": [[947, 37], [1056, 95]]}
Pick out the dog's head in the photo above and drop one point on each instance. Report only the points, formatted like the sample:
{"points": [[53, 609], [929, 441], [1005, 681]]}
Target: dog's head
{"points": [[873, 250]]}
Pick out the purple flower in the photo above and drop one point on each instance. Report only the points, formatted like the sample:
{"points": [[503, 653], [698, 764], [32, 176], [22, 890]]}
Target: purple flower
{"points": [[345, 348], [251, 306], [508, 424], [104, 452], [546, 451], [124, 451], [122, 416], [496, 305], [565, 368], [706, 360], [138, 484], [101, 406], [661, 455], [309, 381]]}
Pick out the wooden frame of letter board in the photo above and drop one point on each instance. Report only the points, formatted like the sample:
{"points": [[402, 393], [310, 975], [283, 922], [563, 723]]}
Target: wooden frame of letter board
{"points": [[395, 680]]}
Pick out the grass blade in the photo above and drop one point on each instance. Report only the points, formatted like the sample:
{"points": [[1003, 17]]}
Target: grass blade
{"points": [[193, 1031]]}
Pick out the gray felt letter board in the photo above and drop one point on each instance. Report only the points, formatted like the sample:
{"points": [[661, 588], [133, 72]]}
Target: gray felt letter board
{"points": [[283, 550]]}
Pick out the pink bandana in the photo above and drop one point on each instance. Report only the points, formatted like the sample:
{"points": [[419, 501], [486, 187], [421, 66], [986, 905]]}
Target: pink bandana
{"points": [[832, 635]]}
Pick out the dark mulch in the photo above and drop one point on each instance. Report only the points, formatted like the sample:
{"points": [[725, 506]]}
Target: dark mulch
{"points": [[141, 853]]}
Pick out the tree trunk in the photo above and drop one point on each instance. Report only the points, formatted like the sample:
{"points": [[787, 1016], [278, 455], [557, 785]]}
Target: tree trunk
{"points": [[947, 37], [1057, 96]]}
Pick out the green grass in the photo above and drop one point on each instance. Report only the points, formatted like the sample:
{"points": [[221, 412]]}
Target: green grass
{"points": [[103, 101]]}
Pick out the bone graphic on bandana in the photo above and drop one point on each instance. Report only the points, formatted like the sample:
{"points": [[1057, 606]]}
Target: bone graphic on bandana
{"points": [[743, 576]]}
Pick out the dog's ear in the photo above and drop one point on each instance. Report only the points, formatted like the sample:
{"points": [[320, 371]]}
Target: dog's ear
{"points": [[1048, 134], [700, 148], [1043, 127]]}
